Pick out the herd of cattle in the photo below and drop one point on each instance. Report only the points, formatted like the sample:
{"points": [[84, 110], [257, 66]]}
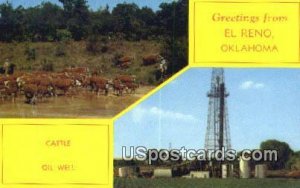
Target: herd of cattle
{"points": [[37, 85]]}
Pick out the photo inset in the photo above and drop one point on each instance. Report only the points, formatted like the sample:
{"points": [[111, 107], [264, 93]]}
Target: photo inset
{"points": [[86, 59], [213, 127]]}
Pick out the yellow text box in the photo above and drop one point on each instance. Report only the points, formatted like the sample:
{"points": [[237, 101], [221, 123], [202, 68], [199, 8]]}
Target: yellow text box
{"points": [[244, 32], [56, 154]]}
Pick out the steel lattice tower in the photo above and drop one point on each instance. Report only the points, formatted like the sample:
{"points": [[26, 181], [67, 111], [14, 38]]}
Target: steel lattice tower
{"points": [[217, 133]]}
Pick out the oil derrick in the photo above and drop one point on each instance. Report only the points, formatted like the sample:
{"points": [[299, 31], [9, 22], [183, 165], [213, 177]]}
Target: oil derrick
{"points": [[217, 133]]}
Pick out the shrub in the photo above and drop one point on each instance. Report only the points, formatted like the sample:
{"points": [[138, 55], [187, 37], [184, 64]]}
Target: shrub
{"points": [[63, 35], [93, 44], [96, 44]]}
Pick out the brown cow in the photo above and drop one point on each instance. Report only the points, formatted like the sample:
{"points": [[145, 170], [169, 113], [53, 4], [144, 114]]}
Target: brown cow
{"points": [[97, 84], [8, 87], [33, 91], [62, 84], [45, 81], [11, 88], [10, 92], [2, 83], [118, 87], [78, 79], [151, 60], [28, 80], [86, 82], [125, 59], [126, 78], [2, 79], [60, 75], [124, 62], [131, 86]]}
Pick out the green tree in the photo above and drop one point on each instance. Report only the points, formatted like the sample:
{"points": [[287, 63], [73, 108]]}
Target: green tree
{"points": [[11, 22], [294, 161], [77, 16], [173, 18], [51, 15], [42, 21], [63, 35], [125, 19], [284, 153], [148, 23], [173, 22], [102, 22]]}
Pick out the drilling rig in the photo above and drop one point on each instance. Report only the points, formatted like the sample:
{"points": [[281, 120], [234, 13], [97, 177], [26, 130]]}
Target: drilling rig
{"points": [[217, 133]]}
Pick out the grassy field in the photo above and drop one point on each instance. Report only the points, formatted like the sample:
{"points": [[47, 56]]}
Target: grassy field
{"points": [[205, 183], [72, 53]]}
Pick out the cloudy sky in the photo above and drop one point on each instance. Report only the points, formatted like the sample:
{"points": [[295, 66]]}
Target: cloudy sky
{"points": [[94, 4], [263, 104]]}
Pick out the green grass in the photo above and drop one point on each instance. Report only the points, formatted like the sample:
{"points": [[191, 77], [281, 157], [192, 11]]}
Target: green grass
{"points": [[205, 183]]}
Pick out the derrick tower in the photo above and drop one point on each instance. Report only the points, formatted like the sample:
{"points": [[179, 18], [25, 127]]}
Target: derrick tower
{"points": [[217, 133]]}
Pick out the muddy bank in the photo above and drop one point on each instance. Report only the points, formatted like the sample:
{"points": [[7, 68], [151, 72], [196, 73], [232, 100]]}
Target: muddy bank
{"points": [[83, 105]]}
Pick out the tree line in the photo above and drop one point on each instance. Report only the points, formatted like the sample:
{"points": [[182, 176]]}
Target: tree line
{"points": [[73, 18], [286, 158]]}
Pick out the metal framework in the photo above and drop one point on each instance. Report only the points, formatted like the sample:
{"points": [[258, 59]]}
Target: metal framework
{"points": [[218, 132]]}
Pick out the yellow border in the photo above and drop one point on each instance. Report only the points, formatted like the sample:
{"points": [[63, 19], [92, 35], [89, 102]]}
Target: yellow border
{"points": [[111, 121], [192, 62], [71, 122]]}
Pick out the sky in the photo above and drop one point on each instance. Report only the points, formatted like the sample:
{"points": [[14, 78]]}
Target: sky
{"points": [[263, 104], [94, 4]]}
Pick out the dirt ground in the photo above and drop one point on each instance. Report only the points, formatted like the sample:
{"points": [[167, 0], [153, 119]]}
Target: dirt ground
{"points": [[83, 105]]}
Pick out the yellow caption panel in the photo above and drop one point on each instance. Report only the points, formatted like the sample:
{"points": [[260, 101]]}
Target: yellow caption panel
{"points": [[244, 32], [60, 152]]}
